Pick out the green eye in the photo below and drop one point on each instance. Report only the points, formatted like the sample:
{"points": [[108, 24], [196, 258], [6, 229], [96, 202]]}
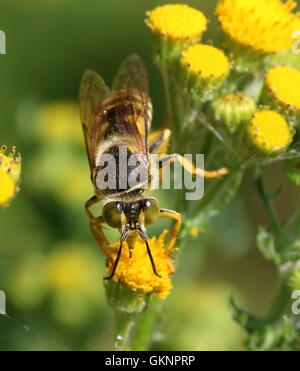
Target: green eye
{"points": [[112, 214], [151, 211]]}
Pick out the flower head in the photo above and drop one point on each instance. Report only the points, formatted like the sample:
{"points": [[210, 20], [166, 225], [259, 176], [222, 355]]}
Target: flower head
{"points": [[177, 22], [204, 68], [268, 132], [135, 271], [265, 26], [205, 61], [283, 84], [10, 169]]}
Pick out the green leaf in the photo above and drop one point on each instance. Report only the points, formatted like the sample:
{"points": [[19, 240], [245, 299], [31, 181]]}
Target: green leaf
{"points": [[266, 245], [265, 333], [248, 321]]}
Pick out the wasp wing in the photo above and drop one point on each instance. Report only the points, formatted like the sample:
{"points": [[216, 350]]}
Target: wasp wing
{"points": [[92, 92], [131, 83]]}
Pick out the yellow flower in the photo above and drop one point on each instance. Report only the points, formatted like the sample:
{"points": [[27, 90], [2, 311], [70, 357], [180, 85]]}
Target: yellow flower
{"points": [[10, 169], [136, 271], [203, 69], [206, 62], [283, 83], [265, 26], [269, 132], [59, 122], [177, 22]]}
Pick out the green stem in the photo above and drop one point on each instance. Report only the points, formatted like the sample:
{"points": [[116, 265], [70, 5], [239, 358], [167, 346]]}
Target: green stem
{"points": [[124, 326], [166, 85], [280, 302], [282, 298], [145, 326], [275, 225], [207, 143], [176, 106]]}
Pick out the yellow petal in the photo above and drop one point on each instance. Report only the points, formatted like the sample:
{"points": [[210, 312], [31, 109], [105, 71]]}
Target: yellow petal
{"points": [[263, 25], [7, 188], [177, 21]]}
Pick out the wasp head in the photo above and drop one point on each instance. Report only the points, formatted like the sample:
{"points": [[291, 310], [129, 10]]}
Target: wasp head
{"points": [[131, 216]]}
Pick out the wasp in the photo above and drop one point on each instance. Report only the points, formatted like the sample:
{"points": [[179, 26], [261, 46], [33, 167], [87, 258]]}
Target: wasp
{"points": [[116, 118]]}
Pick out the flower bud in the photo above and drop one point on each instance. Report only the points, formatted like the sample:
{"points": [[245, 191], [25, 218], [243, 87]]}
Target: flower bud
{"points": [[232, 110]]}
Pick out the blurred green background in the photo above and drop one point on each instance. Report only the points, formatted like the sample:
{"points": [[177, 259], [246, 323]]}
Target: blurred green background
{"points": [[50, 266]]}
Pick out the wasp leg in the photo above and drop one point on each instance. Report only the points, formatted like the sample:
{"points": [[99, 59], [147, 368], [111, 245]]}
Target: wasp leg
{"points": [[191, 168], [165, 213], [115, 263], [92, 201], [96, 227], [151, 259], [160, 141]]}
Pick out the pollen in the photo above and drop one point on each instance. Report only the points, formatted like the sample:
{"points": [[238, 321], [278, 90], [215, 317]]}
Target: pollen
{"points": [[136, 271], [205, 61], [265, 26], [269, 132], [177, 22], [284, 85]]}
